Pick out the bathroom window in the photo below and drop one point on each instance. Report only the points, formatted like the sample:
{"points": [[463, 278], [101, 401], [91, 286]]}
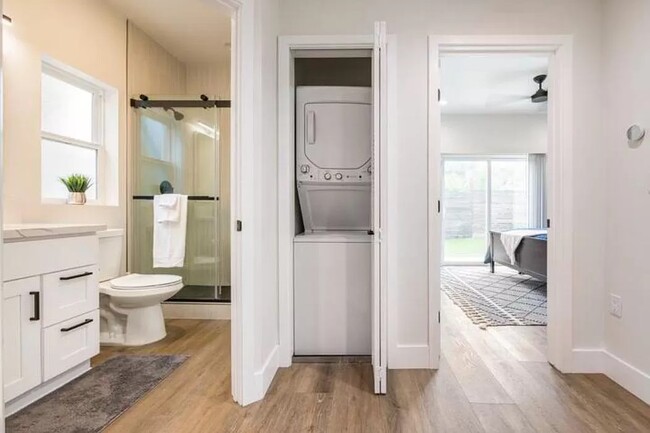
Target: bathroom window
{"points": [[72, 131]]}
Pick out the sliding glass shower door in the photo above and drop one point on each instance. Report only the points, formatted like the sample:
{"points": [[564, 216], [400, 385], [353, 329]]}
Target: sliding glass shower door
{"points": [[179, 147]]}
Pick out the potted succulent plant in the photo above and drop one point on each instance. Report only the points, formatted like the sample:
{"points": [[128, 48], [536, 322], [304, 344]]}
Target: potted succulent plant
{"points": [[77, 185]]}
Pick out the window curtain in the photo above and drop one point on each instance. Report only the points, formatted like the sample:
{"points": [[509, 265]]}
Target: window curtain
{"points": [[537, 190]]}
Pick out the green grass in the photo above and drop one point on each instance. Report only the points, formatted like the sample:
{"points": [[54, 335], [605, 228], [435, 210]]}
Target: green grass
{"points": [[464, 249]]}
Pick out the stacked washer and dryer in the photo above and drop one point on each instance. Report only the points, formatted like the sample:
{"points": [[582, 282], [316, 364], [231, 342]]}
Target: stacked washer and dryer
{"points": [[332, 258]]}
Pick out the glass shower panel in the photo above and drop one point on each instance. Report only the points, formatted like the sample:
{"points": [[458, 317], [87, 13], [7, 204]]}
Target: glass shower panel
{"points": [[180, 146]]}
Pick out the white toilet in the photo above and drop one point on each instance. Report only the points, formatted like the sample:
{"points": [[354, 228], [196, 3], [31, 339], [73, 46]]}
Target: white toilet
{"points": [[131, 314]]}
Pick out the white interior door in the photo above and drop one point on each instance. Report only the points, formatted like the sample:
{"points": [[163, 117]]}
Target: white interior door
{"points": [[379, 298]]}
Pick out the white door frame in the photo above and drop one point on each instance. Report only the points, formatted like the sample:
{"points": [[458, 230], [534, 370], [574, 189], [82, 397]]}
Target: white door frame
{"points": [[286, 167], [242, 84], [560, 158]]}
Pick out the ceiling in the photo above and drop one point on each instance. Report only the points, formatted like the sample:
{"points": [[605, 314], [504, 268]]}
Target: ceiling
{"points": [[193, 31], [491, 83]]}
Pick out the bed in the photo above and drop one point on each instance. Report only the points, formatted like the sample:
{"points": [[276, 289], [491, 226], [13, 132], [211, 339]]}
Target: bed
{"points": [[530, 255]]}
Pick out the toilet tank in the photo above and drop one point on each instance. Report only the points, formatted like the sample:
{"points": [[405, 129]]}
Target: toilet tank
{"points": [[110, 253]]}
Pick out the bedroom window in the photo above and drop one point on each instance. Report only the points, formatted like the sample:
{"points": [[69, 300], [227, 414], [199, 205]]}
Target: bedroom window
{"points": [[483, 193]]}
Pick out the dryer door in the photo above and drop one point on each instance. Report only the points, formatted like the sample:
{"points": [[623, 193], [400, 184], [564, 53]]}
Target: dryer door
{"points": [[337, 134]]}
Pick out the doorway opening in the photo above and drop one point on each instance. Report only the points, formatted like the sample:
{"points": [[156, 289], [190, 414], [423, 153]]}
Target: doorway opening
{"points": [[179, 142], [493, 191], [550, 185], [332, 138]]}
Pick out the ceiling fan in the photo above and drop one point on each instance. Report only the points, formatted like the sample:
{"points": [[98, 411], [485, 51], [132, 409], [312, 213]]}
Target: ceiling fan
{"points": [[541, 95]]}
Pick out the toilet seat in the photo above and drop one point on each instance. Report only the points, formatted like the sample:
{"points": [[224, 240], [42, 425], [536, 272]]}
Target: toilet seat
{"points": [[144, 281]]}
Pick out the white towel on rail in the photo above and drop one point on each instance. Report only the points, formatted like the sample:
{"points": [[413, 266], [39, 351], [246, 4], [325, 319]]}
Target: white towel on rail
{"points": [[512, 238], [169, 235], [168, 207]]}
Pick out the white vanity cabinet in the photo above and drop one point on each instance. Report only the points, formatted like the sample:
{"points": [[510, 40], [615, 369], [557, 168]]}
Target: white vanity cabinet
{"points": [[50, 313], [21, 336]]}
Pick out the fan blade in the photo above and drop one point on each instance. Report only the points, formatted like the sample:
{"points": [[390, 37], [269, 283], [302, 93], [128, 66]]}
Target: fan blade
{"points": [[500, 100]]}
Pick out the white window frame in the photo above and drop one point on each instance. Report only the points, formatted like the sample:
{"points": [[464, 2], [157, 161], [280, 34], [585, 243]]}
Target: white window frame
{"points": [[488, 199], [98, 126]]}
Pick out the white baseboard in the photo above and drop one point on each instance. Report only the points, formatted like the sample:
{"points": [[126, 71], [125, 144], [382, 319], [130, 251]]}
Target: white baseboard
{"points": [[264, 376], [408, 356], [588, 361], [200, 311], [626, 375]]}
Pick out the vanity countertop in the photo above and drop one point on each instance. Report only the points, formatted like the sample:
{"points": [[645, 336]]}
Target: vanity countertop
{"points": [[25, 232]]}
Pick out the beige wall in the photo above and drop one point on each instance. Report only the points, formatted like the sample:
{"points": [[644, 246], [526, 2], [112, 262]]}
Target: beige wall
{"points": [[86, 35], [152, 70]]}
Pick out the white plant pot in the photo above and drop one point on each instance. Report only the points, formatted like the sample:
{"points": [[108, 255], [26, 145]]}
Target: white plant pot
{"points": [[77, 198]]}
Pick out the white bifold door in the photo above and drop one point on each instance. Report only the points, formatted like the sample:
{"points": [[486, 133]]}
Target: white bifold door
{"points": [[379, 144]]}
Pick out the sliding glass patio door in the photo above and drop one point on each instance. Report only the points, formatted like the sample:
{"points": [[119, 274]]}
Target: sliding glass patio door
{"points": [[481, 194]]}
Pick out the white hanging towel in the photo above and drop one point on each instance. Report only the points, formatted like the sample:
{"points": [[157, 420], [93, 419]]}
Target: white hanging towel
{"points": [[168, 207], [512, 238], [169, 230]]}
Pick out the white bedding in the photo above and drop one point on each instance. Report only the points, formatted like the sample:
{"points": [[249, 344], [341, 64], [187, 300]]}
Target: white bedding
{"points": [[511, 240]]}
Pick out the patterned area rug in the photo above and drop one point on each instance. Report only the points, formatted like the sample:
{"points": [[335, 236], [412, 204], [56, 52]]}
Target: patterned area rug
{"points": [[504, 298], [93, 400]]}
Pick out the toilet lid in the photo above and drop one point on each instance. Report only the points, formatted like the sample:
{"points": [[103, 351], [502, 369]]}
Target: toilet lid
{"points": [[142, 281]]}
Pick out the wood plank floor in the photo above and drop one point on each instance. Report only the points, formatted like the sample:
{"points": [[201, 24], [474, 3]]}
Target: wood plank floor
{"points": [[489, 381]]}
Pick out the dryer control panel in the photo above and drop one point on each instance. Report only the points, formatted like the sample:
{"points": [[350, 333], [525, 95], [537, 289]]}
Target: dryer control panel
{"points": [[308, 172]]}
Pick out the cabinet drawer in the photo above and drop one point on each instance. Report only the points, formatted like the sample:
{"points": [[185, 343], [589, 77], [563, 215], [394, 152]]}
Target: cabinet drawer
{"points": [[26, 259], [69, 293], [70, 343]]}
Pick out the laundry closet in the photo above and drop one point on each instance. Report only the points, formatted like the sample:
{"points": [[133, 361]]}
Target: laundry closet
{"points": [[333, 191]]}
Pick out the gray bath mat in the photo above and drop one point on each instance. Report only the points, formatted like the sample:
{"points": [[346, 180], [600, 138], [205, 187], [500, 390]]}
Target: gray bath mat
{"points": [[90, 402], [504, 298]]}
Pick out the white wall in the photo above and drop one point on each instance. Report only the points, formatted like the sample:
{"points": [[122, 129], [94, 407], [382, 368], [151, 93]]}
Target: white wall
{"points": [[494, 134], [86, 35], [411, 23], [627, 101]]}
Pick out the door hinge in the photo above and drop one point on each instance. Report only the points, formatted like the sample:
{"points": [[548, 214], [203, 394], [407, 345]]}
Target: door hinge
{"points": [[238, 225], [438, 206], [548, 223], [439, 95], [438, 316]]}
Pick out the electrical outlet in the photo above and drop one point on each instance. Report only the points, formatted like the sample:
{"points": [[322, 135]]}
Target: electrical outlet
{"points": [[615, 305]]}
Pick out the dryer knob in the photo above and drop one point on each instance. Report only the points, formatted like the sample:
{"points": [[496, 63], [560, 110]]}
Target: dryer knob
{"points": [[338, 176], [327, 176], [304, 169]]}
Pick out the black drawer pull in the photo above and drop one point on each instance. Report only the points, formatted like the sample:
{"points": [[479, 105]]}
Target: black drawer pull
{"points": [[72, 277], [78, 325], [37, 306]]}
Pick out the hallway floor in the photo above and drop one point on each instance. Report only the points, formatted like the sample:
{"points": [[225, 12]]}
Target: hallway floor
{"points": [[489, 381]]}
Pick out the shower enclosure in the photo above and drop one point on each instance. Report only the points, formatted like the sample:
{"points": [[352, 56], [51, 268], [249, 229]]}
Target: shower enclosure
{"points": [[179, 146]]}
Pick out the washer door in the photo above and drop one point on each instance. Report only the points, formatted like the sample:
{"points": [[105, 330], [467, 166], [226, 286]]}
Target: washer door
{"points": [[327, 206]]}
